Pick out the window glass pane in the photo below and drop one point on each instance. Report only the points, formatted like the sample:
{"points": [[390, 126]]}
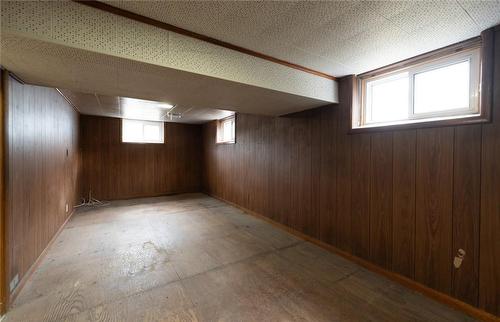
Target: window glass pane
{"points": [[136, 131], [152, 133], [442, 89], [387, 99], [132, 131], [227, 129]]}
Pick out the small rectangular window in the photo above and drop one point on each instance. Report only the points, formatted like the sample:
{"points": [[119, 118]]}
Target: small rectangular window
{"points": [[442, 88], [226, 130], [135, 131]]}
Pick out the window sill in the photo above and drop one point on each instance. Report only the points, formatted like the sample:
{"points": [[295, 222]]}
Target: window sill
{"points": [[228, 142], [142, 142], [407, 125]]}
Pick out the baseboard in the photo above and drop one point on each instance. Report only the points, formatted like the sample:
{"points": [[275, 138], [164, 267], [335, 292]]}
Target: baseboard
{"points": [[151, 195], [403, 280], [12, 297]]}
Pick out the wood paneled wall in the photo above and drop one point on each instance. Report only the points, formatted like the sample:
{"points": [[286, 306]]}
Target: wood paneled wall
{"points": [[116, 170], [404, 200], [42, 171]]}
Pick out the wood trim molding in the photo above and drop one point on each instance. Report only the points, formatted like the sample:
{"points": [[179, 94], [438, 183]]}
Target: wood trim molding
{"points": [[434, 54], [487, 73], [69, 101], [478, 119], [165, 26], [409, 283]]}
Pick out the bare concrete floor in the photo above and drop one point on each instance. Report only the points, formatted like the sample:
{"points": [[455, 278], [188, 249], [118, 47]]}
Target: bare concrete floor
{"points": [[194, 258]]}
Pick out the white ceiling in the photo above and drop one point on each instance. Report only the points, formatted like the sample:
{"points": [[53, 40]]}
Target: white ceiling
{"points": [[84, 50], [335, 37], [48, 64], [68, 45], [123, 107]]}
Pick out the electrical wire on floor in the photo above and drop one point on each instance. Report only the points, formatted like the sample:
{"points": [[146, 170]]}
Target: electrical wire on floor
{"points": [[91, 202]]}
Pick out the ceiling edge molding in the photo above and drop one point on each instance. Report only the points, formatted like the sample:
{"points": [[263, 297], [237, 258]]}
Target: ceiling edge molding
{"points": [[162, 25]]}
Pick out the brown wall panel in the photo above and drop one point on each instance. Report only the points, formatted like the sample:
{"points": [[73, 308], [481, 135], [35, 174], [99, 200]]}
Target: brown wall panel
{"points": [[403, 216], [360, 195], [328, 178], [282, 171], [489, 266], [343, 164], [116, 170], [301, 214], [434, 192], [43, 171], [466, 200], [381, 199]]}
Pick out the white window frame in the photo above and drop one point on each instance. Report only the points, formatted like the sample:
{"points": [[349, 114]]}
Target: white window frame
{"points": [[473, 56], [144, 123], [220, 129]]}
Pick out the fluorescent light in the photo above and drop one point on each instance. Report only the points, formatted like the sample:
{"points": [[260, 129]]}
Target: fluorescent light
{"points": [[165, 106], [139, 109]]}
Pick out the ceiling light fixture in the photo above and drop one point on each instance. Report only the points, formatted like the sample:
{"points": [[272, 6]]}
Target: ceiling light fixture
{"points": [[139, 109], [172, 116]]}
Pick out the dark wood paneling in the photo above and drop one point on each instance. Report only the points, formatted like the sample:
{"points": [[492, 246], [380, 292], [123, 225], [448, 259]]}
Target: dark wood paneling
{"points": [[434, 192], [360, 195], [405, 200], [282, 171], [43, 171], [466, 200], [343, 165], [302, 218], [489, 266], [381, 199], [116, 170], [403, 219], [327, 179]]}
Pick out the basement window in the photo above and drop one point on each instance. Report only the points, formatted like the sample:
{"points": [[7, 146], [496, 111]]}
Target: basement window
{"points": [[136, 131], [226, 130], [438, 89]]}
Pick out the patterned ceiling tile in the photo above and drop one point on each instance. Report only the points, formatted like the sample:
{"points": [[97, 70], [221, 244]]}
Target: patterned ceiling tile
{"points": [[329, 36]]}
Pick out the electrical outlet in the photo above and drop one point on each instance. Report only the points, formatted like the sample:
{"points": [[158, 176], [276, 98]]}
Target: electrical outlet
{"points": [[457, 261], [67, 207], [14, 282]]}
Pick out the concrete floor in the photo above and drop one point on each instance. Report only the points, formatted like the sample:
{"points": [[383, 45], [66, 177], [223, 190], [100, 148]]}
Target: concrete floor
{"points": [[193, 258]]}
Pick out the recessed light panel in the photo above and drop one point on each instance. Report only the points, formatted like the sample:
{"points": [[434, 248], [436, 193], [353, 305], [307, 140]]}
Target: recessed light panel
{"points": [[137, 109]]}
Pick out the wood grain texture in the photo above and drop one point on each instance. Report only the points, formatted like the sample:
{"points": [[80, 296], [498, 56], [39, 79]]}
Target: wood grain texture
{"points": [[434, 193], [229, 266], [381, 194], [116, 170], [301, 214], [466, 200], [360, 195], [328, 177], [343, 163], [43, 171], [403, 216], [489, 266]]}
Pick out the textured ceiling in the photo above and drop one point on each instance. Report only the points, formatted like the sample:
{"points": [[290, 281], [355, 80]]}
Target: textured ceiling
{"points": [[335, 37], [67, 45], [48, 64], [122, 107]]}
